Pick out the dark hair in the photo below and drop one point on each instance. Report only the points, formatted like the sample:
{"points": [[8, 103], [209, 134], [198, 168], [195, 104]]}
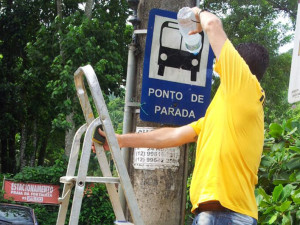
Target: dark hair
{"points": [[256, 56]]}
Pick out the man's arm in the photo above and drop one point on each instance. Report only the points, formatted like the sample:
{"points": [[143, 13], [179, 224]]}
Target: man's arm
{"points": [[160, 138], [212, 26]]}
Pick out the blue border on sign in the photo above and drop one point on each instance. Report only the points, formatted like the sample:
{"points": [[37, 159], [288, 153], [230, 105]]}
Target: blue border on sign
{"points": [[148, 103]]}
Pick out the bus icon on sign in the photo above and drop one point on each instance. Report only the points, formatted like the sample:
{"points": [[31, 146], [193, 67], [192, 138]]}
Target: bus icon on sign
{"points": [[174, 54]]}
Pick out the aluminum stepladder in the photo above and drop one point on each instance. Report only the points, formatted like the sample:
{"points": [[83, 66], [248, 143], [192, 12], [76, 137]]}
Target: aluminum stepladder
{"points": [[78, 182]]}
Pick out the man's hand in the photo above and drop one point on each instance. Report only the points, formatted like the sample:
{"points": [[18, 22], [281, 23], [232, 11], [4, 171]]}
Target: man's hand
{"points": [[105, 144], [212, 26], [199, 29]]}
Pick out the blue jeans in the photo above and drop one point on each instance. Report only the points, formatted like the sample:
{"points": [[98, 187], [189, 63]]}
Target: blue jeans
{"points": [[223, 218]]}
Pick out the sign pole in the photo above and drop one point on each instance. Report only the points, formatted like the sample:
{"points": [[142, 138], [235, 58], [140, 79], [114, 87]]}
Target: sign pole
{"points": [[294, 86]]}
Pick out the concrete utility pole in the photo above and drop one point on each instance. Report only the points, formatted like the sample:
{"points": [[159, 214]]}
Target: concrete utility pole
{"points": [[161, 193]]}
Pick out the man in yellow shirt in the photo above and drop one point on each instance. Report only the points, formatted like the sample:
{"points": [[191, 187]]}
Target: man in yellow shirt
{"points": [[229, 137]]}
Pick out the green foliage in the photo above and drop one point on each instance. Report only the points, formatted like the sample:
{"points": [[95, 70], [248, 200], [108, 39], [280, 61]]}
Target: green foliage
{"points": [[280, 207], [188, 205], [19, 21], [48, 175], [276, 104], [278, 195], [115, 106], [96, 208], [39, 53], [49, 212], [252, 21], [99, 42], [2, 176]]}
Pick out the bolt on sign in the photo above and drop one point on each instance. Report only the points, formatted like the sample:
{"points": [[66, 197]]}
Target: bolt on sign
{"points": [[31, 192], [176, 83], [294, 86]]}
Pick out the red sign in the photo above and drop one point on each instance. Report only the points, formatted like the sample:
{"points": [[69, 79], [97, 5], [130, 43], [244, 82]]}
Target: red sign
{"points": [[27, 192]]}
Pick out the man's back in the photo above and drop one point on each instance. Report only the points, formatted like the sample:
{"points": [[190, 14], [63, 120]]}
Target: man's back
{"points": [[230, 138]]}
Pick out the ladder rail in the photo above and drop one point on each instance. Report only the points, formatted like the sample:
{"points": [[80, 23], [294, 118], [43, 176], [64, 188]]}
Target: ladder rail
{"points": [[81, 179], [82, 171], [111, 188], [89, 117], [63, 208], [104, 166], [75, 151], [99, 101]]}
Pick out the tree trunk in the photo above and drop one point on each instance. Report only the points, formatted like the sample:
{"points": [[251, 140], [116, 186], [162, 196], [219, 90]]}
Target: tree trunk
{"points": [[0, 157], [59, 8], [4, 155], [69, 118], [34, 143], [69, 134], [12, 151], [89, 8], [23, 146], [42, 151], [59, 14]]}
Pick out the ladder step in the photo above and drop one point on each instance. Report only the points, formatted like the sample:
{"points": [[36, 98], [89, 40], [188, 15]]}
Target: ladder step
{"points": [[73, 179]]}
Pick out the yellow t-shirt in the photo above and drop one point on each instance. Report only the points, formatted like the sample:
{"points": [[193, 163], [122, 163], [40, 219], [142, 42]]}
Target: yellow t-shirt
{"points": [[230, 138]]}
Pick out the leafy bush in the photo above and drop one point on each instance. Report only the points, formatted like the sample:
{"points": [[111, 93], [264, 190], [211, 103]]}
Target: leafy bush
{"points": [[2, 176], [40, 174], [188, 205], [278, 194], [96, 207]]}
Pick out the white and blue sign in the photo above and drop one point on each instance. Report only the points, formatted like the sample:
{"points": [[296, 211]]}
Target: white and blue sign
{"points": [[176, 84]]}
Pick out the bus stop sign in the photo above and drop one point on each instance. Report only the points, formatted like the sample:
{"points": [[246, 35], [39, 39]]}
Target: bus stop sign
{"points": [[176, 84]]}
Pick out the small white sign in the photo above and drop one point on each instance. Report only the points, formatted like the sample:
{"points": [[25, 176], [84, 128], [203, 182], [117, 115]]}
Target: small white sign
{"points": [[294, 87], [151, 159]]}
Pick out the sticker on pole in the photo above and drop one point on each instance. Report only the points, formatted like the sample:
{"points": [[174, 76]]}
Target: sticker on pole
{"points": [[151, 158], [294, 86], [176, 83]]}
